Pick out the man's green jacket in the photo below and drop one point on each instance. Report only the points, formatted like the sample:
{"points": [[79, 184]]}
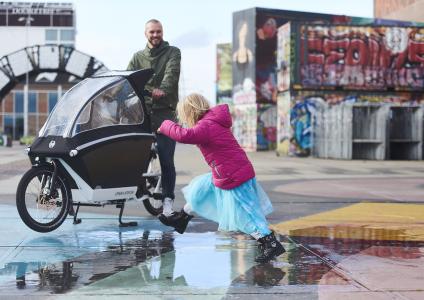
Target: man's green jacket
{"points": [[165, 61]]}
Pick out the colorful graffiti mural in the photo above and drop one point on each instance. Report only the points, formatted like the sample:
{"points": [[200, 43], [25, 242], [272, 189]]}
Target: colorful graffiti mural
{"points": [[243, 55], [304, 103], [301, 126], [244, 126], [266, 64], [359, 57], [266, 126], [283, 123], [283, 58], [280, 57]]}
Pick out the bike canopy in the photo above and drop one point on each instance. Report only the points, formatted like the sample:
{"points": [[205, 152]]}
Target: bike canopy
{"points": [[109, 99]]}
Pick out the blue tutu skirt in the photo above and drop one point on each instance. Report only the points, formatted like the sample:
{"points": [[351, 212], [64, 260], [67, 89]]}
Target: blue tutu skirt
{"points": [[240, 209]]}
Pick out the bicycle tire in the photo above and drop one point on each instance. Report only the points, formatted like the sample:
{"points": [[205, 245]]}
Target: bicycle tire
{"points": [[60, 185], [153, 204]]}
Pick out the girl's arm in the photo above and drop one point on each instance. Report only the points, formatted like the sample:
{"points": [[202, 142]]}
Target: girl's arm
{"points": [[195, 135]]}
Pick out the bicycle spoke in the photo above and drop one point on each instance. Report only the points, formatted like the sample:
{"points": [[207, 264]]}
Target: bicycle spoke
{"points": [[41, 207]]}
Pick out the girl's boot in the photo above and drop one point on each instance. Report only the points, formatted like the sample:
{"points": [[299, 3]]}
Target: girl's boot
{"points": [[178, 220], [269, 248], [181, 224]]}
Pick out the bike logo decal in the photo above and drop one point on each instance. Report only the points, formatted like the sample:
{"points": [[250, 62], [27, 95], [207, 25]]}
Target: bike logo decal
{"points": [[125, 193], [52, 144]]}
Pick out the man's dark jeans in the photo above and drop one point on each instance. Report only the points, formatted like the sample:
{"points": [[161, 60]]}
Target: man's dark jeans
{"points": [[166, 150]]}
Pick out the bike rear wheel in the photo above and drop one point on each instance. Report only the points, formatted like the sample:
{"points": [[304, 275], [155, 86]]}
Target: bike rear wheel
{"points": [[40, 207], [152, 181]]}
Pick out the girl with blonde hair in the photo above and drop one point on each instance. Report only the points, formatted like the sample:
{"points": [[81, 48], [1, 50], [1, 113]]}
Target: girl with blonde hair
{"points": [[230, 194]]}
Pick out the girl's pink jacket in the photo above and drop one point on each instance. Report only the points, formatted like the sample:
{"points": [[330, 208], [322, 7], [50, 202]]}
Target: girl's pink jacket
{"points": [[212, 134]]}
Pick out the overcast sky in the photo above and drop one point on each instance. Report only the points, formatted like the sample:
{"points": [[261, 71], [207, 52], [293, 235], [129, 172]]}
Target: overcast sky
{"points": [[112, 30]]}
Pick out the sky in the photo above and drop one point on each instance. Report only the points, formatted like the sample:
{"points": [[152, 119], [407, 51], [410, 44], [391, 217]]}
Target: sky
{"points": [[112, 30]]}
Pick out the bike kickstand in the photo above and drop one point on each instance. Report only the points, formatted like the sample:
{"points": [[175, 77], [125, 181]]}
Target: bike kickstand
{"points": [[121, 223], [77, 220]]}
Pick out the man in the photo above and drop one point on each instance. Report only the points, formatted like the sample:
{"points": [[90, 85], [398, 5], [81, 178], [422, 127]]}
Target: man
{"points": [[165, 62]]}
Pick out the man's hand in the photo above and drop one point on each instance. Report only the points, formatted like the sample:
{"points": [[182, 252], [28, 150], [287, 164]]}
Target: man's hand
{"points": [[157, 93]]}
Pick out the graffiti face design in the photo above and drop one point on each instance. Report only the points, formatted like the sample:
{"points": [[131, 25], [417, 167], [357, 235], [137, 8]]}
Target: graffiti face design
{"points": [[396, 39]]}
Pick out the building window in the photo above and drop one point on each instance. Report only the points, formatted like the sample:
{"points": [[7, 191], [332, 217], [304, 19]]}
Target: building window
{"points": [[51, 35], [32, 102], [52, 100], [19, 102], [66, 35], [19, 127], [8, 125]]}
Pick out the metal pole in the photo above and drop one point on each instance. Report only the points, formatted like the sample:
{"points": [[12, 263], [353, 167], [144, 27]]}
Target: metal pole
{"points": [[26, 106], [26, 87]]}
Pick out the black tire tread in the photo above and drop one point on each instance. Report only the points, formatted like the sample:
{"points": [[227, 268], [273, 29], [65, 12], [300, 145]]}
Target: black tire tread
{"points": [[22, 209]]}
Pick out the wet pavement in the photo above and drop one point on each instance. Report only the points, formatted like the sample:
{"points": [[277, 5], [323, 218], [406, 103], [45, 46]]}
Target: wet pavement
{"points": [[99, 258], [352, 230], [325, 259]]}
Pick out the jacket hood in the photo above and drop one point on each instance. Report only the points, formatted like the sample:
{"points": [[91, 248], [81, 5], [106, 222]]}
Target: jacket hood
{"points": [[220, 114], [156, 51]]}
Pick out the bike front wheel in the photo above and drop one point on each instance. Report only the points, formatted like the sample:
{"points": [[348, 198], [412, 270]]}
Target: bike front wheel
{"points": [[42, 204]]}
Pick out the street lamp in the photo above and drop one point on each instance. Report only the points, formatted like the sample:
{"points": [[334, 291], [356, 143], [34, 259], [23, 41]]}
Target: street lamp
{"points": [[28, 19]]}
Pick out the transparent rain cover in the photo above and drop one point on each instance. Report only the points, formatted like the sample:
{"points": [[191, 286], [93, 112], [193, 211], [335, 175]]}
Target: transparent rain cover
{"points": [[116, 105], [67, 109]]}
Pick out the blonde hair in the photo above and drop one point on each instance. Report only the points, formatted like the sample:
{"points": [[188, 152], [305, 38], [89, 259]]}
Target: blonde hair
{"points": [[192, 109]]}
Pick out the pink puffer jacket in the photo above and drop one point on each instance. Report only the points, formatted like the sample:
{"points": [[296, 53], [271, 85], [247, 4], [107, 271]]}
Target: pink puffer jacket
{"points": [[212, 134]]}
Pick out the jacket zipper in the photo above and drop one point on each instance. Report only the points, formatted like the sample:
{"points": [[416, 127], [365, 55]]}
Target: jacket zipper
{"points": [[215, 168]]}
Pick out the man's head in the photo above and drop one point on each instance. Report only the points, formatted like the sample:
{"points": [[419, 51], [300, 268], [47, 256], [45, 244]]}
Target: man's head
{"points": [[154, 33]]}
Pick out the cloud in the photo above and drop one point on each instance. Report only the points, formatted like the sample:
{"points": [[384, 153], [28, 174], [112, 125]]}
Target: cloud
{"points": [[197, 38]]}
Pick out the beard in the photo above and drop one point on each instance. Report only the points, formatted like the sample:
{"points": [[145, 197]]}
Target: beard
{"points": [[155, 41]]}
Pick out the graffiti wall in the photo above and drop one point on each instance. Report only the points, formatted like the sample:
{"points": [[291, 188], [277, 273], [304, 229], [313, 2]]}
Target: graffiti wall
{"points": [[224, 80], [283, 58], [303, 104], [283, 123], [243, 52], [362, 57], [266, 56], [266, 126], [244, 125]]}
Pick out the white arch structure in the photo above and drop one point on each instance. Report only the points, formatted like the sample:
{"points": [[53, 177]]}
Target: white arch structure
{"points": [[45, 58]]}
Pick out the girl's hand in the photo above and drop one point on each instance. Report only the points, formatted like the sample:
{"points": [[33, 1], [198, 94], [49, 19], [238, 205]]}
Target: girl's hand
{"points": [[158, 131]]}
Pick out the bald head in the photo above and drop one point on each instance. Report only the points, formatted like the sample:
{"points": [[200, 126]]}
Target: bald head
{"points": [[154, 33], [153, 21]]}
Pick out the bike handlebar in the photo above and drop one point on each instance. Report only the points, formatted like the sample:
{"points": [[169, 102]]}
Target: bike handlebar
{"points": [[147, 93]]}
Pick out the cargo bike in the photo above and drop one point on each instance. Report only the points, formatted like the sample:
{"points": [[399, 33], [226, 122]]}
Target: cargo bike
{"points": [[95, 149]]}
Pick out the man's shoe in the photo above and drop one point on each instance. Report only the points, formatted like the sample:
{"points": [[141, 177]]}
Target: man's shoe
{"points": [[269, 249]]}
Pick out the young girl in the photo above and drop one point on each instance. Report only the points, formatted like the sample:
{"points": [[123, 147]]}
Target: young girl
{"points": [[230, 194]]}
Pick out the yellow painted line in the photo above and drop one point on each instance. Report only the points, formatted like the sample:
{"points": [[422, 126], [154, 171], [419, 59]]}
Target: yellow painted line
{"points": [[369, 221]]}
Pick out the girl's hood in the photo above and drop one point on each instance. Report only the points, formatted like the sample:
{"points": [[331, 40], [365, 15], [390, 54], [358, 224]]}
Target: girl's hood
{"points": [[220, 114]]}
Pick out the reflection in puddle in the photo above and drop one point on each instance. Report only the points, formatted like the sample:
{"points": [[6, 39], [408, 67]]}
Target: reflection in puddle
{"points": [[342, 240], [111, 260], [206, 263], [163, 262], [263, 275], [324, 247], [60, 277], [351, 232]]}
